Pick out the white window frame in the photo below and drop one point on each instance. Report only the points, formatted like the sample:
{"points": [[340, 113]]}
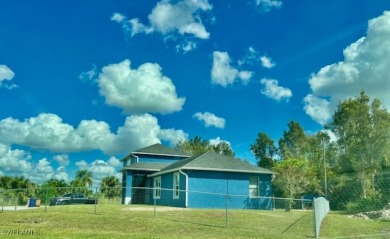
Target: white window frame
{"points": [[157, 188], [176, 185], [254, 187]]}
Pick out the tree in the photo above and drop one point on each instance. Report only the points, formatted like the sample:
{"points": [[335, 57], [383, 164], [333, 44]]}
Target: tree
{"points": [[363, 150], [264, 150], [22, 187], [197, 145], [223, 148], [110, 187], [84, 177], [52, 188], [291, 177], [293, 143]]}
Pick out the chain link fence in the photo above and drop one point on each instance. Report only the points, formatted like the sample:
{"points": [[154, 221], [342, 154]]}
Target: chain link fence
{"points": [[210, 209]]}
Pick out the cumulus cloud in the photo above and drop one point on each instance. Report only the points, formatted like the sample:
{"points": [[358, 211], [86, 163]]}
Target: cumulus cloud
{"points": [[6, 74], [183, 18], [210, 119], [140, 90], [266, 62], [268, 5], [317, 108], [274, 91], [14, 160], [222, 73], [62, 159], [117, 17], [48, 132], [217, 141], [365, 66], [19, 162]]}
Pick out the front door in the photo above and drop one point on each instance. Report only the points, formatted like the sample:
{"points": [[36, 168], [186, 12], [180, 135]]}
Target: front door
{"points": [[139, 183]]}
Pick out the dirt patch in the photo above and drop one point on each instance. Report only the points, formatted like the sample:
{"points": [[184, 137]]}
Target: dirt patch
{"points": [[28, 221]]}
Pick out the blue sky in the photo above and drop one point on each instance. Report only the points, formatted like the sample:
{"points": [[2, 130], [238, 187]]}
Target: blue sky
{"points": [[83, 83]]}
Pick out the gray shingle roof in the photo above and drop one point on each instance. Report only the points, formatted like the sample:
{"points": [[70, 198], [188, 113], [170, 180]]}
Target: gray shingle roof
{"points": [[159, 149], [142, 166], [211, 161]]}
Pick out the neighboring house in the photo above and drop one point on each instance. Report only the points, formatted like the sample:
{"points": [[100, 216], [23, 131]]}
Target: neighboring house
{"points": [[208, 180]]}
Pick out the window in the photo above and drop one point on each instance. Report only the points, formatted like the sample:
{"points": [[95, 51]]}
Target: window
{"points": [[176, 185], [157, 188], [254, 186]]}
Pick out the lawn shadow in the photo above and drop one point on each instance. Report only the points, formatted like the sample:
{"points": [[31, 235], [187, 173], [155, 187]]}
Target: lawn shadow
{"points": [[294, 223]]}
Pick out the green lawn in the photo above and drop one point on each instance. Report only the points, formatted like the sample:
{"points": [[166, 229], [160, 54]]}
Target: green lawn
{"points": [[119, 221]]}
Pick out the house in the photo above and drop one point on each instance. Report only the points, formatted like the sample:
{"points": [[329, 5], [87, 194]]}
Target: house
{"points": [[165, 176]]}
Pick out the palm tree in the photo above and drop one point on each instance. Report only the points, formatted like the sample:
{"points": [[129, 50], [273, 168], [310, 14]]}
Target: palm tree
{"points": [[18, 187], [110, 187], [84, 177]]}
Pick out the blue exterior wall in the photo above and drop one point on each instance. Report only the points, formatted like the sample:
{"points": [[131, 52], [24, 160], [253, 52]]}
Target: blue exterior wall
{"points": [[128, 188], [224, 189], [166, 198]]}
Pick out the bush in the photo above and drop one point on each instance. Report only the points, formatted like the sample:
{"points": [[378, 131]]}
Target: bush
{"points": [[364, 205]]}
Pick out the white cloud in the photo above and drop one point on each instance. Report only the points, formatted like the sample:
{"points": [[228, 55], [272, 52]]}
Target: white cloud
{"points": [[365, 66], [62, 159], [183, 18], [82, 164], [245, 76], [117, 17], [61, 174], [210, 119], [137, 27], [250, 57], [173, 136], [6, 74], [18, 162], [274, 91], [14, 160], [266, 62], [217, 141], [222, 73], [267, 5], [138, 90], [114, 162], [48, 132], [317, 108], [89, 76]]}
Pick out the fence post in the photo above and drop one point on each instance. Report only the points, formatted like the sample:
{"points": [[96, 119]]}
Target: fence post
{"points": [[2, 203], [46, 198], [226, 210], [16, 202], [96, 195], [155, 202], [273, 202], [314, 219]]}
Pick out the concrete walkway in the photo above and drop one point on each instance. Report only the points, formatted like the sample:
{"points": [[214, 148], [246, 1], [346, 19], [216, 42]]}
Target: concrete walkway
{"points": [[12, 208]]}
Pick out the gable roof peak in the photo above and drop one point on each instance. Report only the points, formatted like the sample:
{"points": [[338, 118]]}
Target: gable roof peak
{"points": [[160, 149]]}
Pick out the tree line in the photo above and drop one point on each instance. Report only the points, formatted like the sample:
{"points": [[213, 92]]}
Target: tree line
{"points": [[22, 188], [352, 170]]}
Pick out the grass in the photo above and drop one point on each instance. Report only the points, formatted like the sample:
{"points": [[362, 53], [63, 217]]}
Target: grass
{"points": [[120, 221]]}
